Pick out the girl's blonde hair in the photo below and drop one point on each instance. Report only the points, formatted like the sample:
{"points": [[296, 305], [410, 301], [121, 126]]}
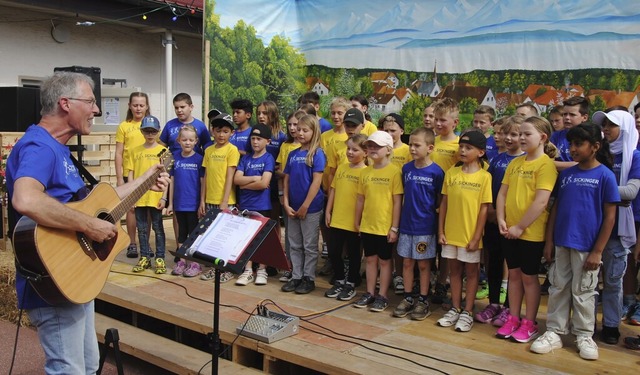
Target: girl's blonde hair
{"points": [[274, 117], [512, 123], [360, 140], [543, 126], [312, 123], [188, 128], [340, 101], [137, 94]]}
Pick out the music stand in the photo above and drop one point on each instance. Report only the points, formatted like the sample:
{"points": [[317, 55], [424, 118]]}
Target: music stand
{"points": [[209, 245]]}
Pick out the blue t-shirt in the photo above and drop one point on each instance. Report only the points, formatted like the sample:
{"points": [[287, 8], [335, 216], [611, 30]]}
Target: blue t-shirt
{"points": [[39, 156], [240, 139], [256, 200], [169, 135], [325, 125], [301, 176], [634, 173], [186, 173], [491, 149], [580, 205], [559, 139], [421, 189], [497, 167]]}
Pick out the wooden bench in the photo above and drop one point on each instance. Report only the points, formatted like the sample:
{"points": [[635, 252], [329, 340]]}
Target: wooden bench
{"points": [[164, 353]]}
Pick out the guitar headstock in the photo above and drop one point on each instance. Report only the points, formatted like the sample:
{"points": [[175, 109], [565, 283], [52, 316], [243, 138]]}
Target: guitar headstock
{"points": [[166, 159]]}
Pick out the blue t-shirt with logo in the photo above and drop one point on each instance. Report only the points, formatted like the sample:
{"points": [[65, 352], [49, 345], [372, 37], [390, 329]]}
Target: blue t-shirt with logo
{"points": [[491, 149], [256, 200], [186, 173], [421, 189], [39, 156], [559, 139], [497, 168], [580, 205], [240, 139], [301, 176], [169, 135]]}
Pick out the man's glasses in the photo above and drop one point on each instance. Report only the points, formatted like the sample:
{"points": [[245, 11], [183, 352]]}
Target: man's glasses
{"points": [[91, 102]]}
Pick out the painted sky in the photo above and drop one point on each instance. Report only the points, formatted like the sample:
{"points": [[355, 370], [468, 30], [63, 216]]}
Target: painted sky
{"points": [[461, 35]]}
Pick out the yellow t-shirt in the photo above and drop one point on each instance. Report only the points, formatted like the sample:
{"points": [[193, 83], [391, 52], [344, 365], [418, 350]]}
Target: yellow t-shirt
{"points": [[216, 163], [465, 192], [401, 155], [130, 136], [327, 140], [445, 153], [345, 184], [368, 128], [378, 186], [283, 155], [524, 178], [140, 160]]}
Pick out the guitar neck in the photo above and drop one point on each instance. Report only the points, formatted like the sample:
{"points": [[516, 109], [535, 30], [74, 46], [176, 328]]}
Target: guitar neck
{"points": [[128, 202]]}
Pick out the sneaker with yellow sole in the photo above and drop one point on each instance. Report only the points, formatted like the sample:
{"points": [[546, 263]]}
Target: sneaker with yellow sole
{"points": [[160, 266], [142, 265]]}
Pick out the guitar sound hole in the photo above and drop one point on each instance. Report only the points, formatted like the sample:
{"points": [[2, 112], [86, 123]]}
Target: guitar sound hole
{"points": [[103, 249]]}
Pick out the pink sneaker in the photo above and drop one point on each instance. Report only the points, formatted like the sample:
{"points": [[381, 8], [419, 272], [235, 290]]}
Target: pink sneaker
{"points": [[509, 327], [528, 330], [193, 270], [179, 268], [487, 315], [502, 317]]}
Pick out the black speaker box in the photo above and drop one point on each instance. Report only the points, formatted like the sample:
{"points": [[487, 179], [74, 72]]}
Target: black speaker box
{"points": [[92, 72], [20, 107]]}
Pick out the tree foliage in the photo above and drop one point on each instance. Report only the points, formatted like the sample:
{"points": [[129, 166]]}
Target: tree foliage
{"points": [[412, 112]]}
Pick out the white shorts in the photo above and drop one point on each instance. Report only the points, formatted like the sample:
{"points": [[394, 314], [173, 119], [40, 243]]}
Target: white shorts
{"points": [[461, 254]]}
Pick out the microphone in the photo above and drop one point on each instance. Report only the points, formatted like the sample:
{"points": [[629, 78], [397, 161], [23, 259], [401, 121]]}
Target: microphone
{"points": [[194, 253]]}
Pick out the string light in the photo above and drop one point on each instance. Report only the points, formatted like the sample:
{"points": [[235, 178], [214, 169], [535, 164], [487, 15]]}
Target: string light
{"points": [[144, 17]]}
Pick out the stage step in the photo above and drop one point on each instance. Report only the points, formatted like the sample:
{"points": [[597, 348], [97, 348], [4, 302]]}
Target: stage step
{"points": [[164, 353]]}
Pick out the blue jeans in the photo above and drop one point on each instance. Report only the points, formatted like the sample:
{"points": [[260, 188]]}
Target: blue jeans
{"points": [[68, 337], [614, 265], [143, 230]]}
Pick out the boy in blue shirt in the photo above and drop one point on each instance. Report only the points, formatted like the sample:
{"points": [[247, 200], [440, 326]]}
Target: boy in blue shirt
{"points": [[422, 179], [242, 112]]}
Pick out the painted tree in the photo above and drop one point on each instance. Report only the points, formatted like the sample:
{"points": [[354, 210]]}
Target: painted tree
{"points": [[282, 74], [412, 112]]}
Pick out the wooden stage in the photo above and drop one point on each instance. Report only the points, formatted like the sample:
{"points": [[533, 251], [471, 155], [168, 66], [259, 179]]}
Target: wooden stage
{"points": [[344, 341]]}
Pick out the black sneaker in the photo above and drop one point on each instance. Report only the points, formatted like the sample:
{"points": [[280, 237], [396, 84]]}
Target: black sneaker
{"points": [[364, 301], [306, 286], [347, 293], [335, 290], [291, 285], [439, 294], [610, 335], [544, 288], [132, 251], [380, 304]]}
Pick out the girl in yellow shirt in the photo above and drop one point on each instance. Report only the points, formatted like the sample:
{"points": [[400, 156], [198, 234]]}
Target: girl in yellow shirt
{"points": [[377, 217], [522, 217]]}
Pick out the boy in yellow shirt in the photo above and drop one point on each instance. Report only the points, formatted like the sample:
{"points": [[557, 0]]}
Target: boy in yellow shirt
{"points": [[220, 162], [151, 204], [445, 154]]}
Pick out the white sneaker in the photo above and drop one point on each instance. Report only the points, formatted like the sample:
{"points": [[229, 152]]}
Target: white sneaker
{"points": [[465, 322], [546, 343], [245, 278], [261, 277], [450, 318], [587, 347]]}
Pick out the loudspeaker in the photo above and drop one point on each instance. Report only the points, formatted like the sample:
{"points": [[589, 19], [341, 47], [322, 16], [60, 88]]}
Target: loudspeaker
{"points": [[92, 72], [20, 108]]}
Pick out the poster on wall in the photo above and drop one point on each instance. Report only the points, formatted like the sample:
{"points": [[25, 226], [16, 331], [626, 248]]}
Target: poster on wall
{"points": [[403, 55]]}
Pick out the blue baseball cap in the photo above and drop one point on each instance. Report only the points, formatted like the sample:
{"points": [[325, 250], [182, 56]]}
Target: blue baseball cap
{"points": [[150, 122]]}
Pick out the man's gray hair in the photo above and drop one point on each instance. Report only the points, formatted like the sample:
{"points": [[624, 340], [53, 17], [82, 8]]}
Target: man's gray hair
{"points": [[60, 85]]}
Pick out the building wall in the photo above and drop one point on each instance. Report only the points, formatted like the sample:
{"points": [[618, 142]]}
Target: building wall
{"points": [[27, 49]]}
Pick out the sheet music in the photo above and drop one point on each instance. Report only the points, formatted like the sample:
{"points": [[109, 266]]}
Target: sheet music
{"points": [[227, 237]]}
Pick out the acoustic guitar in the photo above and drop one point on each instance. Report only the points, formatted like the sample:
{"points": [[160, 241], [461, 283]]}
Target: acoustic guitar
{"points": [[66, 266]]}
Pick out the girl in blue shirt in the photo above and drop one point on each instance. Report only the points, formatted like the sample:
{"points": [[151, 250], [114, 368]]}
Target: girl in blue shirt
{"points": [[579, 226], [184, 193], [303, 202]]}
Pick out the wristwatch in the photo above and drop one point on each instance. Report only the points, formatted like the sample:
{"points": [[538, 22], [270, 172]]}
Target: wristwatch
{"points": [[394, 229]]}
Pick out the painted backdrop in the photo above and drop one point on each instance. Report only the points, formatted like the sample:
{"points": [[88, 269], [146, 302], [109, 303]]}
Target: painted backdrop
{"points": [[562, 47]]}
